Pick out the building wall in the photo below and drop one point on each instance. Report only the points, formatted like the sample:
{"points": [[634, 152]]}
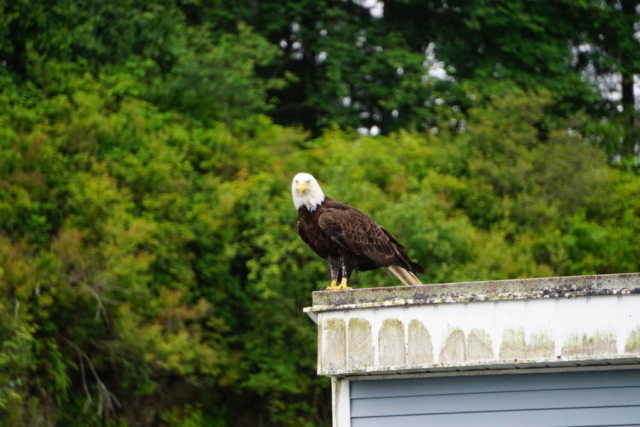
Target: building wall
{"points": [[503, 334], [505, 346], [582, 398]]}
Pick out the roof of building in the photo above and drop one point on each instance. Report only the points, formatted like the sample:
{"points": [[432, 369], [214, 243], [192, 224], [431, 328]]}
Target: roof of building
{"points": [[509, 324], [496, 290]]}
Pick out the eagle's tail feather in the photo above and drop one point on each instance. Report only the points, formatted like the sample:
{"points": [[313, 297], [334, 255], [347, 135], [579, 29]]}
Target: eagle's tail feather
{"points": [[406, 277], [417, 268]]}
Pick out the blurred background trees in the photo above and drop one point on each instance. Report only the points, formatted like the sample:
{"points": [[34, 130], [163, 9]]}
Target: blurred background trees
{"points": [[150, 271]]}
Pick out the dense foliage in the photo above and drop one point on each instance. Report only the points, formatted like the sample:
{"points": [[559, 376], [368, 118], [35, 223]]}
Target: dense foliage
{"points": [[150, 271]]}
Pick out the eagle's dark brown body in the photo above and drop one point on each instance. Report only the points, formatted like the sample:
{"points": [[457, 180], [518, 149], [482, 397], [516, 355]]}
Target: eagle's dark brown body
{"points": [[350, 240]]}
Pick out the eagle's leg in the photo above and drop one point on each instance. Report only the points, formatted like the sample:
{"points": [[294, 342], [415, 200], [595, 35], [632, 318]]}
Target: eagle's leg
{"points": [[334, 270], [346, 272]]}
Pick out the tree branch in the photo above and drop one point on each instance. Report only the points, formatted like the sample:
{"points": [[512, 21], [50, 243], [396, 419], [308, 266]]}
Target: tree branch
{"points": [[100, 306], [107, 401]]}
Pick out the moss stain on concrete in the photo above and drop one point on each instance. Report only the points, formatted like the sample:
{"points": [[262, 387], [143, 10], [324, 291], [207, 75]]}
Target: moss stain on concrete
{"points": [[360, 350], [480, 346], [391, 343], [334, 334], [454, 349], [420, 347], [514, 345], [633, 342], [541, 346], [581, 345]]}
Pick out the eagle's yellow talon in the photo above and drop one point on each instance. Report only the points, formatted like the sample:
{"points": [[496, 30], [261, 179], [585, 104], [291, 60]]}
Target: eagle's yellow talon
{"points": [[343, 284], [333, 286]]}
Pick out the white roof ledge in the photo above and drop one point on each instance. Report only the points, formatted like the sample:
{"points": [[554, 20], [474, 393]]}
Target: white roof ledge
{"points": [[507, 324]]}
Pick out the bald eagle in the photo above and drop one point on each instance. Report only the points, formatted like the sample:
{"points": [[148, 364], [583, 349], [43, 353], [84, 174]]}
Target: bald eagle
{"points": [[347, 238]]}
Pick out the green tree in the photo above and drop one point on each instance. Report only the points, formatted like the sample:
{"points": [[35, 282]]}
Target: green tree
{"points": [[150, 270]]}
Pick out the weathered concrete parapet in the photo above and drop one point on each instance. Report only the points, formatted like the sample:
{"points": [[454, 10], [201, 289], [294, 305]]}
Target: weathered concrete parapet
{"points": [[510, 324]]}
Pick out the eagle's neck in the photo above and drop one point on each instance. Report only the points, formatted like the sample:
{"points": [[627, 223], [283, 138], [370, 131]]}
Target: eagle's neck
{"points": [[309, 200]]}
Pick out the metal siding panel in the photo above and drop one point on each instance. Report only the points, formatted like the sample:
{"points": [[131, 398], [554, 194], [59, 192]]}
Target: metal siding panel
{"points": [[492, 383], [590, 417], [594, 398], [488, 402]]}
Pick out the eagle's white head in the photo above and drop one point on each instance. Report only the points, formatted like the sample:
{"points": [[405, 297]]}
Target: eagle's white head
{"points": [[306, 192]]}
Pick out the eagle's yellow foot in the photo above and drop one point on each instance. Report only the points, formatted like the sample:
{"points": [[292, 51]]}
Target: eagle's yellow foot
{"points": [[343, 284], [333, 286]]}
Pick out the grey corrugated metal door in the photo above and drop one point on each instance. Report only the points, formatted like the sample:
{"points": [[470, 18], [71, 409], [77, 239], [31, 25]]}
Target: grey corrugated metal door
{"points": [[595, 398]]}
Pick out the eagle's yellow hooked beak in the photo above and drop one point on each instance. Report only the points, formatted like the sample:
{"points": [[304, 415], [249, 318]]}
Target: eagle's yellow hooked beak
{"points": [[302, 187]]}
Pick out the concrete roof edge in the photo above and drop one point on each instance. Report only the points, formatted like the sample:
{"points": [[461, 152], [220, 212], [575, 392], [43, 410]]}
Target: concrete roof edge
{"points": [[498, 290]]}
